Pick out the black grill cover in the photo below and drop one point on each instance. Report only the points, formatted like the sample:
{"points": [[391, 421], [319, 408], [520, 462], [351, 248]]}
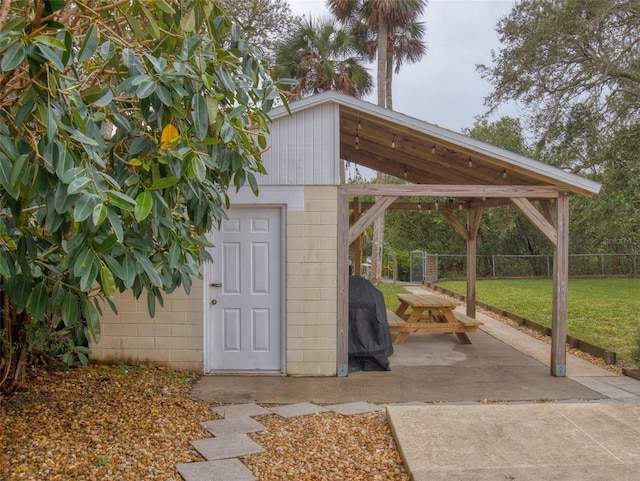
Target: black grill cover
{"points": [[369, 337]]}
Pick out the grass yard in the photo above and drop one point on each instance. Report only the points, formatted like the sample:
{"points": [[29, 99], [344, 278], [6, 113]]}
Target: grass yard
{"points": [[389, 292], [605, 312]]}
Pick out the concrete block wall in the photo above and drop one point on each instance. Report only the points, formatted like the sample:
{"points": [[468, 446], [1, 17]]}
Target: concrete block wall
{"points": [[311, 284], [172, 338]]}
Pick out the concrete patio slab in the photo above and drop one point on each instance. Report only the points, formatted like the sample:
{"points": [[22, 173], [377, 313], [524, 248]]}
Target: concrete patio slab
{"points": [[221, 470], [354, 408], [488, 369], [240, 410], [223, 427], [298, 409], [525, 442], [230, 446]]}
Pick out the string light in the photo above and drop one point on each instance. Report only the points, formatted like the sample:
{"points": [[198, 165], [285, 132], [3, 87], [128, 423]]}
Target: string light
{"points": [[470, 162], [359, 125], [357, 142], [433, 149], [406, 174], [437, 204], [419, 204], [393, 142], [504, 173], [460, 206]]}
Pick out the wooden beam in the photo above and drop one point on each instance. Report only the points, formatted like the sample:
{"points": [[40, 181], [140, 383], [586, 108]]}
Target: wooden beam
{"points": [[342, 283], [549, 211], [537, 219], [560, 281], [458, 191], [457, 226], [378, 208]]}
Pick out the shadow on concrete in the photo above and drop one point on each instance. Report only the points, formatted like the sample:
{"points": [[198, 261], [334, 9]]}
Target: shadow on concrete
{"points": [[426, 368]]}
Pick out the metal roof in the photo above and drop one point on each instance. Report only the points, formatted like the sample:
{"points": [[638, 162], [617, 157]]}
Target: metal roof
{"points": [[424, 153]]}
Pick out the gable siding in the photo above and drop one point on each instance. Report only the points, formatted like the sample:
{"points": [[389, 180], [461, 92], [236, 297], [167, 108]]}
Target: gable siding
{"points": [[304, 150]]}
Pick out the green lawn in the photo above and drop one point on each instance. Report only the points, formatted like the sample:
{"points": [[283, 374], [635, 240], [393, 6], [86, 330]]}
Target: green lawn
{"points": [[605, 312], [389, 292]]}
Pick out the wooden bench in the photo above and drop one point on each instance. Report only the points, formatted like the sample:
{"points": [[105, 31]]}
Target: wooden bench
{"points": [[465, 324], [467, 321]]}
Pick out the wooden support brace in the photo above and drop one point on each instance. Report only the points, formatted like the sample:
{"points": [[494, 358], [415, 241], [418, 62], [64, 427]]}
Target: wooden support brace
{"points": [[378, 208], [537, 219]]}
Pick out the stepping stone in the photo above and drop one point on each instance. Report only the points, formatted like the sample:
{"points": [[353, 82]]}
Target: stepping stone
{"points": [[300, 409], [222, 470], [241, 410], [222, 427], [230, 446], [354, 408]]}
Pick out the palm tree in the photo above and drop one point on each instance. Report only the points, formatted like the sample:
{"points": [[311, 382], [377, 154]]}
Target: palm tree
{"points": [[398, 37], [388, 29], [321, 56]]}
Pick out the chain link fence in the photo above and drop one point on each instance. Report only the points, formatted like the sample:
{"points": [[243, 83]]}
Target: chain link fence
{"points": [[431, 267]]}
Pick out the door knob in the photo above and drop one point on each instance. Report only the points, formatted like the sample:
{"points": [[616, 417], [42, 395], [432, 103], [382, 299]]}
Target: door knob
{"points": [[216, 284], [214, 301]]}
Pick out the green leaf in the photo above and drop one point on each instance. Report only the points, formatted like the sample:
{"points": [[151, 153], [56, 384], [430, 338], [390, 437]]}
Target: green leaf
{"points": [[57, 293], [17, 171], [212, 109], [123, 201], [108, 282], [77, 185], [89, 276], [164, 95], [13, 57], [144, 204], [64, 163], [84, 207], [89, 44], [116, 224], [99, 214], [146, 87], [83, 261], [164, 182], [5, 175], [165, 7], [51, 42], [107, 50], [38, 301], [175, 255], [93, 319], [148, 267], [54, 57], [52, 126], [129, 271], [200, 116], [24, 111], [70, 309], [198, 167]]}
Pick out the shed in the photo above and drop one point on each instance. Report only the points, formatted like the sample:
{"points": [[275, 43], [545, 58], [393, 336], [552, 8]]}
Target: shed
{"points": [[275, 299]]}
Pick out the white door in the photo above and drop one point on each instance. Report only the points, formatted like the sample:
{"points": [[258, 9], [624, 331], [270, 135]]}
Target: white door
{"points": [[245, 292]]}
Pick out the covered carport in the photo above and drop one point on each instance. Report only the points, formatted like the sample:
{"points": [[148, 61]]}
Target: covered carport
{"points": [[474, 175]]}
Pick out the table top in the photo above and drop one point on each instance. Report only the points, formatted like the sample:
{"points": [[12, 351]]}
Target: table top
{"points": [[427, 301]]}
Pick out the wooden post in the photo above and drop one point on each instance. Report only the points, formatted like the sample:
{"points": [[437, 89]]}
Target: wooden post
{"points": [[342, 314], [473, 222], [357, 248], [560, 281]]}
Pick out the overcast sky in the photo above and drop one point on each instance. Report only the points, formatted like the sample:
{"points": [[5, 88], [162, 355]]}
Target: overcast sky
{"points": [[444, 88]]}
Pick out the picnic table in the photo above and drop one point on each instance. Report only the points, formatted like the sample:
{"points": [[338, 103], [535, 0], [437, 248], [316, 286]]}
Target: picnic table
{"points": [[440, 316]]}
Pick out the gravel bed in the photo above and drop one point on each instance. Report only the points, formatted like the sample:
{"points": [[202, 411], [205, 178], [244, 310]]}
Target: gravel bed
{"points": [[327, 447], [119, 423]]}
